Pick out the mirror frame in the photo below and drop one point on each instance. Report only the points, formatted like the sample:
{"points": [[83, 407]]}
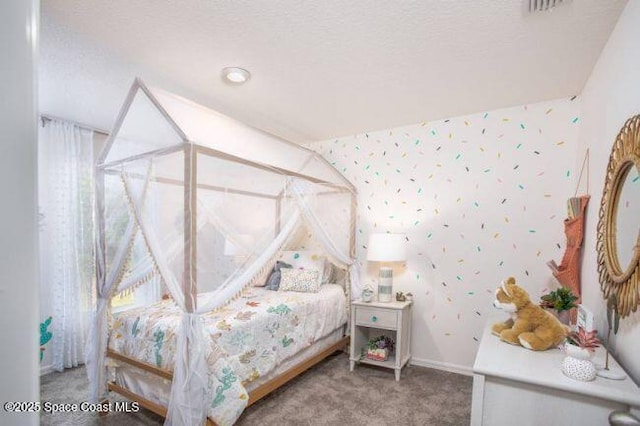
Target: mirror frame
{"points": [[625, 154]]}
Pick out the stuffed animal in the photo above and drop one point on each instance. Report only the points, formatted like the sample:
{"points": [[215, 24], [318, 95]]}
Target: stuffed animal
{"points": [[530, 325]]}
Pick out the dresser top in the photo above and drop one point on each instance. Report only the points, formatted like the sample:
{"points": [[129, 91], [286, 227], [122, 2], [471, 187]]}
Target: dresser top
{"points": [[499, 359]]}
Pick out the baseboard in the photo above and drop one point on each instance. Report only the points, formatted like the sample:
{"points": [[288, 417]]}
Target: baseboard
{"points": [[445, 366], [46, 369]]}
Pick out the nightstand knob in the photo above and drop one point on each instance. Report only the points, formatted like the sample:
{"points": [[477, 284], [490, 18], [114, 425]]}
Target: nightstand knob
{"points": [[374, 318]]}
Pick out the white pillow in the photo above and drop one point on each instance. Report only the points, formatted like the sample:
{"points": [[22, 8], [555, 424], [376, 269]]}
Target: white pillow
{"points": [[307, 260], [302, 280]]}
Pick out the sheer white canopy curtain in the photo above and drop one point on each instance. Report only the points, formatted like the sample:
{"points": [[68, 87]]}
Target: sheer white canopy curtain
{"points": [[65, 196]]}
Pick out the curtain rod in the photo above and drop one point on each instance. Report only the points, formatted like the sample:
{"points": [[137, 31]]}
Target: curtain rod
{"points": [[47, 117]]}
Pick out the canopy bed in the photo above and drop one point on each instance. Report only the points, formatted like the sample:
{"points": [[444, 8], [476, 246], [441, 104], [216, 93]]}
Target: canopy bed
{"points": [[211, 208]]}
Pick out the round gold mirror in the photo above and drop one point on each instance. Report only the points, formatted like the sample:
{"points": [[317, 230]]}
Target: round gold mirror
{"points": [[618, 243]]}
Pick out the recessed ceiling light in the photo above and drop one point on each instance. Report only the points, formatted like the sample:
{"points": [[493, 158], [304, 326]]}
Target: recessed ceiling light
{"points": [[235, 75]]}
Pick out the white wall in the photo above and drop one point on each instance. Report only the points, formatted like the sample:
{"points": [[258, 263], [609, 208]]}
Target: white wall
{"points": [[18, 254], [610, 97], [480, 197]]}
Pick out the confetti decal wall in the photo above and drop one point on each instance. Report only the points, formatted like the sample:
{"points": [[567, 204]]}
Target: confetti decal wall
{"points": [[480, 197]]}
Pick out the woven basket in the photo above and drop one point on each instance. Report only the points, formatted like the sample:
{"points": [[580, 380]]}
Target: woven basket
{"points": [[378, 354]]}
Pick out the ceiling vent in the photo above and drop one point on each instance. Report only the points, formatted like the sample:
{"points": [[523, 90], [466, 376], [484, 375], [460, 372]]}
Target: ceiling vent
{"points": [[544, 5]]}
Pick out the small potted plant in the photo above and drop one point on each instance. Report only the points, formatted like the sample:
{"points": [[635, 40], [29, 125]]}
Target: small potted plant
{"points": [[582, 344], [560, 301], [379, 348], [579, 348]]}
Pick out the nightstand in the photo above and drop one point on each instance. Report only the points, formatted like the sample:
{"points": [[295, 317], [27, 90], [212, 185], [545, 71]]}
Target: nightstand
{"points": [[372, 319]]}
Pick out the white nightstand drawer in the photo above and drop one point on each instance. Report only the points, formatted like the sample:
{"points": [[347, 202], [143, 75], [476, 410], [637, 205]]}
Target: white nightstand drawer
{"points": [[377, 317]]}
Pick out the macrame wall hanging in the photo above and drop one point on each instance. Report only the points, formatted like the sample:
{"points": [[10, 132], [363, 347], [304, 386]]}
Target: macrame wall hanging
{"points": [[568, 272]]}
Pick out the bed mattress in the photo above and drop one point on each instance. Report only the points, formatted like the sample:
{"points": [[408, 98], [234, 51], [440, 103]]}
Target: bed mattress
{"points": [[255, 333]]}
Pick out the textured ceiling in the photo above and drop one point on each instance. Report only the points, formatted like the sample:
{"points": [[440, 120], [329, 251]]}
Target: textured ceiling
{"points": [[320, 69]]}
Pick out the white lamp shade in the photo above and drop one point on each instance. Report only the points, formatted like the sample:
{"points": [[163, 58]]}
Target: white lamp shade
{"points": [[240, 245], [386, 248]]}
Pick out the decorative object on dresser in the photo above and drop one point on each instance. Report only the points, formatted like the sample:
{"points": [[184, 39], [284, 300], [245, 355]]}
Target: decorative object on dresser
{"points": [[613, 322], [529, 326], [618, 239], [568, 272], [585, 318], [367, 294], [386, 248], [579, 348], [400, 296], [559, 302], [386, 324]]}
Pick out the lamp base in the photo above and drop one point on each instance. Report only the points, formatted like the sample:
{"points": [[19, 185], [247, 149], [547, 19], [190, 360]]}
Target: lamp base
{"points": [[613, 374], [385, 284]]}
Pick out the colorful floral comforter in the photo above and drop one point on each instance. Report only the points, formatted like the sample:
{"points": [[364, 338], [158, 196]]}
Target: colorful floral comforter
{"points": [[255, 333]]}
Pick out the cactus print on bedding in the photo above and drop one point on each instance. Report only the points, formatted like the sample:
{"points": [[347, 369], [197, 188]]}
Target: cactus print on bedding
{"points": [[255, 333]]}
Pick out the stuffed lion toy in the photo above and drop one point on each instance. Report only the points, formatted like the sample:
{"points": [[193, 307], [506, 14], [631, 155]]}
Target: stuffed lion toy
{"points": [[530, 325]]}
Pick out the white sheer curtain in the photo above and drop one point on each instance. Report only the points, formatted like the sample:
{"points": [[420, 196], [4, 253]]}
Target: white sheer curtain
{"points": [[65, 188], [303, 193], [189, 393]]}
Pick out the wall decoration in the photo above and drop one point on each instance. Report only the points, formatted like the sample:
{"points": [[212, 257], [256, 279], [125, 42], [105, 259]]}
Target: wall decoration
{"points": [[45, 336], [619, 252], [479, 197], [568, 272]]}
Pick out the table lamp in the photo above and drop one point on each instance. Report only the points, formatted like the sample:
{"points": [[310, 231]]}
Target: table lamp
{"points": [[239, 246], [386, 248]]}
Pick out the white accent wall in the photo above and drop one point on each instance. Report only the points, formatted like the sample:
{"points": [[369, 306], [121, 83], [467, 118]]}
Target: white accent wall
{"points": [[480, 198], [18, 254], [610, 97]]}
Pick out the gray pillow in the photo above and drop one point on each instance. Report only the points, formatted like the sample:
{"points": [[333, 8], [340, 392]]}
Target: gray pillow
{"points": [[273, 282]]}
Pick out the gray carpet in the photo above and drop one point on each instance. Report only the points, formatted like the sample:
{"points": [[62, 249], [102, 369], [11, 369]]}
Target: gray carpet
{"points": [[327, 394]]}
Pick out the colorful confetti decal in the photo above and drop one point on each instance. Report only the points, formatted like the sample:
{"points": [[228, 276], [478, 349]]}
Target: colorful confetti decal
{"points": [[479, 197]]}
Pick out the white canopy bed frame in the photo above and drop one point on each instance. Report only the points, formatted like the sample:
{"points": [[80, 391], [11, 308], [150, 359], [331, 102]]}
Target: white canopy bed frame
{"points": [[170, 167]]}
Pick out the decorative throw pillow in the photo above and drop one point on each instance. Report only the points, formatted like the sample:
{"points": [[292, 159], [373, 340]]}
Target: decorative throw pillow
{"points": [[273, 282], [306, 260], [302, 280]]}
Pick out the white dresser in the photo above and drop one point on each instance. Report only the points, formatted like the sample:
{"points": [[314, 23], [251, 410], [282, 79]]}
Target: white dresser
{"points": [[515, 386]]}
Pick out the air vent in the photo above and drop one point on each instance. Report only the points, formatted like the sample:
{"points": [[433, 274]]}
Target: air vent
{"points": [[544, 5]]}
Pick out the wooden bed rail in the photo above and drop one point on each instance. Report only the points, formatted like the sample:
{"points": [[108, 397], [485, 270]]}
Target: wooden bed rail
{"points": [[254, 396], [144, 402], [165, 374]]}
